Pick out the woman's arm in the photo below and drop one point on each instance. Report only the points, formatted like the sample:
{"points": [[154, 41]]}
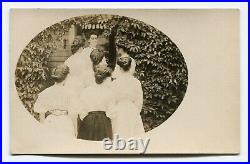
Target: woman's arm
{"points": [[111, 111], [139, 96], [41, 106]]}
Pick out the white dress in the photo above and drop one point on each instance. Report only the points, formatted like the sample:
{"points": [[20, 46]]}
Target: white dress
{"points": [[126, 119], [81, 74], [55, 97]]}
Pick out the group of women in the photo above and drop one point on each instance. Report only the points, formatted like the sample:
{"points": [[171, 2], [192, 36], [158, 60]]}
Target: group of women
{"points": [[90, 100]]}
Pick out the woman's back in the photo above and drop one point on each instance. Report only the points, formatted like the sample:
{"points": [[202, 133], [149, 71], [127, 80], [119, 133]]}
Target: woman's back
{"points": [[95, 101], [81, 72], [129, 98], [126, 113], [54, 97], [128, 88], [97, 97]]}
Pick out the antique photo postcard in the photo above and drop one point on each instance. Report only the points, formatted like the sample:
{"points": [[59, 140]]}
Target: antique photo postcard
{"points": [[124, 81]]}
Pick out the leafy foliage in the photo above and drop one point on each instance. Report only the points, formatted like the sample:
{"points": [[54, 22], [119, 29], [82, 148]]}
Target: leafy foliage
{"points": [[160, 65]]}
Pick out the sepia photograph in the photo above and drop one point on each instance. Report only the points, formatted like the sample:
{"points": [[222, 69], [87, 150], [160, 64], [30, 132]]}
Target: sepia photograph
{"points": [[92, 81]]}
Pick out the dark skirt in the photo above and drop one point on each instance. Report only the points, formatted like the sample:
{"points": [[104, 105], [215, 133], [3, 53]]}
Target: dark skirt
{"points": [[95, 126]]}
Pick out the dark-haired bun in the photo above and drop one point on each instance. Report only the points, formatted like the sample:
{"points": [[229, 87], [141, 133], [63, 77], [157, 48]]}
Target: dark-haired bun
{"points": [[101, 73], [96, 56], [60, 73], [99, 79], [77, 44], [124, 63]]}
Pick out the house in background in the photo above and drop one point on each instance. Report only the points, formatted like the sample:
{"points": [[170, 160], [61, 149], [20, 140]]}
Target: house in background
{"points": [[63, 51]]}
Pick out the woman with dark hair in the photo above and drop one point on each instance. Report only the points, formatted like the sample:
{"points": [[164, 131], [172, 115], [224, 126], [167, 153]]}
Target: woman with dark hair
{"points": [[77, 88], [122, 53], [78, 43], [97, 56], [53, 104], [80, 65], [95, 103], [129, 100]]}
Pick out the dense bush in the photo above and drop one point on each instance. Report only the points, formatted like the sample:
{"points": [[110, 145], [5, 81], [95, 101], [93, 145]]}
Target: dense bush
{"points": [[160, 65]]}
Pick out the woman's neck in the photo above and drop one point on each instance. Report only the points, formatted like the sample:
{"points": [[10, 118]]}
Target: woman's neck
{"points": [[60, 83], [125, 73]]}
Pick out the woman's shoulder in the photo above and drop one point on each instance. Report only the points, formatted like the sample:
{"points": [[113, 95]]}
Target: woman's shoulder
{"points": [[87, 91], [74, 57], [136, 83], [47, 91], [54, 90], [79, 51]]}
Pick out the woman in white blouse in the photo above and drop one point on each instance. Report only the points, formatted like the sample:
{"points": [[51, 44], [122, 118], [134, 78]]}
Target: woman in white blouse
{"points": [[53, 104], [95, 103], [126, 119], [81, 73]]}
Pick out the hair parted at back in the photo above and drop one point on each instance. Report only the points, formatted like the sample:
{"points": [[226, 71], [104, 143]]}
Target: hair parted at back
{"points": [[60, 73]]}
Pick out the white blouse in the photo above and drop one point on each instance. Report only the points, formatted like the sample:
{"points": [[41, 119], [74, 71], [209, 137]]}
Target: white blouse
{"points": [[81, 72], [97, 97], [54, 97], [128, 88], [126, 119]]}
